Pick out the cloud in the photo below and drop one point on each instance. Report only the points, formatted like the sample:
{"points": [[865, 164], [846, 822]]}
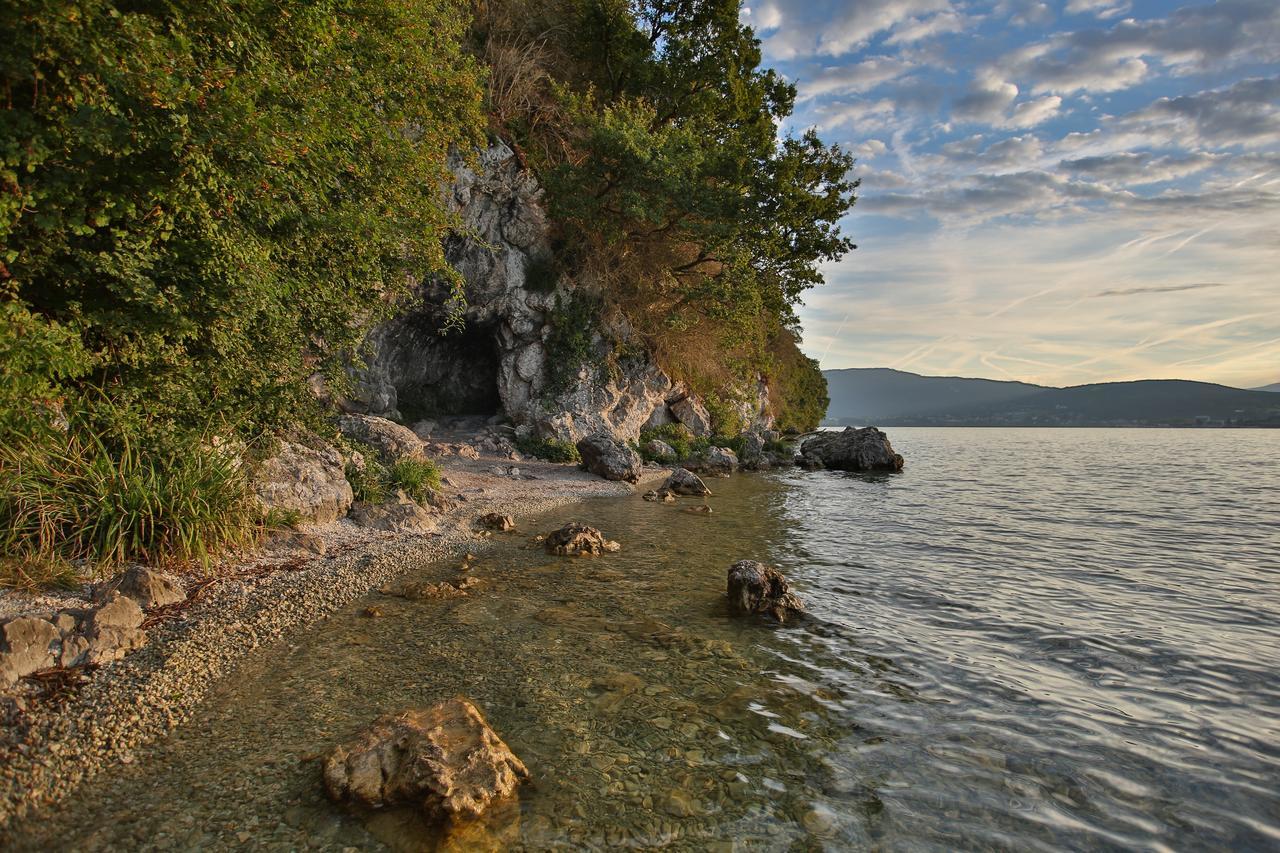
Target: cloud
{"points": [[1098, 8], [920, 29], [989, 99], [1175, 288], [802, 29], [1138, 168], [1228, 33], [847, 79], [1246, 113]]}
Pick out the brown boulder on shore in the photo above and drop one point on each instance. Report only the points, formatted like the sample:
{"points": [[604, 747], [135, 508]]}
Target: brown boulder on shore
{"points": [[445, 759]]}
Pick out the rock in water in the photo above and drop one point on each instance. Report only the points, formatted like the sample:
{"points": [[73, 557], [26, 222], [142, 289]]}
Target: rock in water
{"points": [[497, 521], [604, 455], [685, 482], [757, 588], [579, 540], [445, 759], [865, 449]]}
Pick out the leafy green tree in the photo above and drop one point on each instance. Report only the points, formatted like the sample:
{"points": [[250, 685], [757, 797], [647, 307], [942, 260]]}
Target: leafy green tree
{"points": [[217, 198]]}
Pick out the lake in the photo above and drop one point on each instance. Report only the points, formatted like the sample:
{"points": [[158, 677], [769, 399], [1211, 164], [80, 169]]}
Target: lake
{"points": [[1027, 640]]}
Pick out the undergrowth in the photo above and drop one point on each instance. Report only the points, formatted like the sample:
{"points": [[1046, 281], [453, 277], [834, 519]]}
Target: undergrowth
{"points": [[550, 449]]}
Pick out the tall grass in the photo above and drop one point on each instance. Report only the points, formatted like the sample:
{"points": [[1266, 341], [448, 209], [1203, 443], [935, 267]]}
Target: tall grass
{"points": [[74, 495]]}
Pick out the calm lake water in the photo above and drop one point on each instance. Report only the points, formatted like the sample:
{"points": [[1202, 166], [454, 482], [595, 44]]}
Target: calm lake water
{"points": [[1028, 640]]}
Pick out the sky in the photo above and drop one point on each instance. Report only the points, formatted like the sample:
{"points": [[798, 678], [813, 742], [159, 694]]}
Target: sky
{"points": [[1054, 191]]}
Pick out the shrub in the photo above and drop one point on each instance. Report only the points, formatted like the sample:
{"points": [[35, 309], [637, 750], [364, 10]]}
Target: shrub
{"points": [[550, 449], [676, 435], [368, 483], [38, 572], [77, 495], [416, 478]]}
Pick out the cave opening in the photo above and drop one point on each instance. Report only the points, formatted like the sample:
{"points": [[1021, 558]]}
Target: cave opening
{"points": [[446, 375]]}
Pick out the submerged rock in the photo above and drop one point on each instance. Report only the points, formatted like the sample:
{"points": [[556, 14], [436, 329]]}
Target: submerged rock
{"points": [[685, 482], [755, 588], [579, 540], [608, 457], [662, 495], [305, 480], [497, 521], [444, 759], [851, 449]]}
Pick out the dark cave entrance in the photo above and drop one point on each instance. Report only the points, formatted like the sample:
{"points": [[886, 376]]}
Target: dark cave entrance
{"points": [[439, 375]]}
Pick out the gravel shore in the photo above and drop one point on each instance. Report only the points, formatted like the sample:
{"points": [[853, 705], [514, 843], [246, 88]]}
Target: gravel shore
{"points": [[54, 742]]}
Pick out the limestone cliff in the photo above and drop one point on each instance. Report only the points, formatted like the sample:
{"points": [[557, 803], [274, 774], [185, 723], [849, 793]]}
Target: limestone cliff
{"points": [[500, 363]]}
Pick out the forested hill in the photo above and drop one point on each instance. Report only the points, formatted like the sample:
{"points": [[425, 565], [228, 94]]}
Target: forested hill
{"points": [[894, 398]]}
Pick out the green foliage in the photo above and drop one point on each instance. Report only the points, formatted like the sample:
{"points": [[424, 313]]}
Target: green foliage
{"points": [[36, 573], [550, 449], [280, 518], [798, 390], [570, 344], [203, 203], [94, 493], [726, 417], [415, 477], [369, 483]]}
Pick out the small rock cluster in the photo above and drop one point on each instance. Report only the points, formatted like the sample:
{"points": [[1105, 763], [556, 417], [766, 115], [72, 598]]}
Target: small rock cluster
{"points": [[91, 636], [444, 759], [579, 540]]}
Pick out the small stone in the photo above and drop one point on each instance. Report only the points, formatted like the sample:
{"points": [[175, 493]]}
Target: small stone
{"points": [[372, 612], [496, 521]]}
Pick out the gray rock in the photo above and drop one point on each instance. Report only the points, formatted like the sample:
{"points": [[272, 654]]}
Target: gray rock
{"points": [[851, 449], [685, 482], [604, 455], [392, 441], [752, 451], [579, 540], [147, 587], [424, 428], [308, 481], [693, 415], [444, 759], [755, 588], [106, 633], [497, 521], [717, 461], [660, 450], [27, 645], [401, 515]]}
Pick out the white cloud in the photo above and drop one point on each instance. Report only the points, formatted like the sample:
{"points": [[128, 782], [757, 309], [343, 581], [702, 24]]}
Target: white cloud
{"points": [[848, 79], [798, 32]]}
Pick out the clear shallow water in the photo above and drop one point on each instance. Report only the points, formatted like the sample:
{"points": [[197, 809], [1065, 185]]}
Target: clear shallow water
{"points": [[1029, 640]]}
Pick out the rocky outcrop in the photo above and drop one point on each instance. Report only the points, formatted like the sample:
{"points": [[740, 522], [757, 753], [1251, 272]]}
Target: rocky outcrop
{"points": [[851, 449], [608, 457], [692, 414], [305, 480], [501, 360], [392, 441], [716, 461], [685, 482], [755, 588], [444, 759], [579, 540]]}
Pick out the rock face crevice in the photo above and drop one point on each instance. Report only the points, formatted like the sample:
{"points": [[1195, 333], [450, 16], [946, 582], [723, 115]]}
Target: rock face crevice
{"points": [[500, 362]]}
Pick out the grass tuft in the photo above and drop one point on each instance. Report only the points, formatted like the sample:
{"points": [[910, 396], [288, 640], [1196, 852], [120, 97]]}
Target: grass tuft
{"points": [[416, 478]]}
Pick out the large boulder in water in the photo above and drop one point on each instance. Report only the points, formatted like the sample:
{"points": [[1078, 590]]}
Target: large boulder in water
{"points": [[684, 482], [866, 449], [755, 588], [445, 759], [579, 540], [604, 455]]}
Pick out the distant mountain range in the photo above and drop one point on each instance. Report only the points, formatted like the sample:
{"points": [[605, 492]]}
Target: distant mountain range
{"points": [[886, 397], [1274, 386]]}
